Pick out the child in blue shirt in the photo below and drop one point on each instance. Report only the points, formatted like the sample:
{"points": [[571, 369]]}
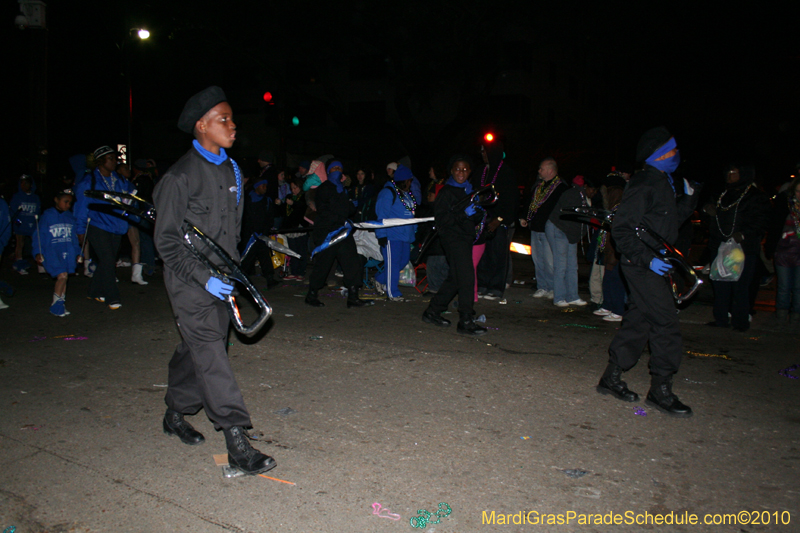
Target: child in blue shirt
{"points": [[25, 207], [56, 247]]}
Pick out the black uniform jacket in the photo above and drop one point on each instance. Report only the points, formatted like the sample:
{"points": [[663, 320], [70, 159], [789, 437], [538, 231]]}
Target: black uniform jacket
{"points": [[333, 209], [203, 194], [453, 223], [650, 200]]}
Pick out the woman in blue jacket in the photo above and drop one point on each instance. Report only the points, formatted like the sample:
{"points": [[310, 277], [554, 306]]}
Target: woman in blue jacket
{"points": [[394, 201], [56, 247]]}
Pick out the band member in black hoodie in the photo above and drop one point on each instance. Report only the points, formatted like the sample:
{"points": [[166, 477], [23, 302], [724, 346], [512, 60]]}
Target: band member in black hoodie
{"points": [[651, 198]]}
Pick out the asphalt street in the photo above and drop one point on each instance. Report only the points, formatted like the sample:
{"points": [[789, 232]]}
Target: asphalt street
{"points": [[374, 416]]}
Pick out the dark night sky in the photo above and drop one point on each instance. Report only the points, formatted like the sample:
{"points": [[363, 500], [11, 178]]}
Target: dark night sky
{"points": [[724, 82]]}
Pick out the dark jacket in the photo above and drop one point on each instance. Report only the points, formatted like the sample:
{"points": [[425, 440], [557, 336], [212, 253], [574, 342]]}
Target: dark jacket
{"points": [[751, 217], [295, 215], [539, 220], [205, 195], [777, 223], [571, 197], [650, 200], [451, 221], [333, 209], [257, 216]]}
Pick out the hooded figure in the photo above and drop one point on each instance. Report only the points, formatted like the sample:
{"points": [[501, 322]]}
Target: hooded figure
{"points": [[653, 199]]}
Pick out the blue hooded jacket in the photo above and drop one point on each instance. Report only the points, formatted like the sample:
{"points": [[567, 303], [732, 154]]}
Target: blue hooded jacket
{"points": [[5, 225], [388, 205], [25, 207], [111, 222], [57, 241]]}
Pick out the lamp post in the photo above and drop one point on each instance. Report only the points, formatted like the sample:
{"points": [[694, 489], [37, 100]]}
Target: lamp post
{"points": [[142, 34]]}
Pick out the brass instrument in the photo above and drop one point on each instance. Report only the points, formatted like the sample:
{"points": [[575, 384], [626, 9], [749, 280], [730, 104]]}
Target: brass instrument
{"points": [[148, 212], [655, 242]]}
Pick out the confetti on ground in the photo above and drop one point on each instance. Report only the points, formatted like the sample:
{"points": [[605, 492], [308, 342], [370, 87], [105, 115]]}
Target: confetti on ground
{"points": [[580, 326], [575, 473], [525, 438], [62, 336], [699, 354], [36, 339], [315, 337], [76, 338], [639, 411], [568, 310], [276, 479], [32, 427], [785, 372], [160, 385], [286, 411]]}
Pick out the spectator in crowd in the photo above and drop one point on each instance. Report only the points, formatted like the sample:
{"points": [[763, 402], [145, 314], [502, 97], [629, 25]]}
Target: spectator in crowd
{"points": [[256, 222], [395, 201], [5, 236], [133, 232], [613, 288], [742, 213], [295, 216], [25, 207], [56, 247], [547, 190], [783, 244], [563, 234]]}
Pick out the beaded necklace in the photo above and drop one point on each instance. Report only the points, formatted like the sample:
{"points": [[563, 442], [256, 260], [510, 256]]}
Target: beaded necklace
{"points": [[408, 201], [735, 211], [540, 196], [494, 178], [109, 186]]}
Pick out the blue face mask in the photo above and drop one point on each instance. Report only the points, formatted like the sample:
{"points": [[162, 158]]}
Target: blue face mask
{"points": [[670, 164]]}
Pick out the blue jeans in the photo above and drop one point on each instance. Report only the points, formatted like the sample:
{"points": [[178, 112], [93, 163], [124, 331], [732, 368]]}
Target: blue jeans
{"points": [[542, 257], [788, 295], [565, 264]]}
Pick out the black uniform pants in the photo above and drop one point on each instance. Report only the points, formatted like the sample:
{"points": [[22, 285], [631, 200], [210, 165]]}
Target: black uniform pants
{"points": [[651, 317], [200, 374], [346, 253], [460, 278], [493, 266], [105, 246], [263, 254]]}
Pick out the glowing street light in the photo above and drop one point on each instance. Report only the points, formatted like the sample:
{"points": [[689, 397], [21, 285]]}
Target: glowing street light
{"points": [[143, 34]]}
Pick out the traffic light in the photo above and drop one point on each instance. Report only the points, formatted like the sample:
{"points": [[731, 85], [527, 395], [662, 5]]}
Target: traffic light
{"points": [[295, 121], [488, 137], [268, 98]]}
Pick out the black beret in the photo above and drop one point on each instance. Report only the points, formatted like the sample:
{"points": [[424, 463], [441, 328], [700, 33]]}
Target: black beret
{"points": [[651, 141], [198, 105]]}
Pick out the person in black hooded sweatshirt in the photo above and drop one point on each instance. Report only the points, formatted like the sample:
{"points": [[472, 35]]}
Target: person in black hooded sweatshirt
{"points": [[651, 198], [492, 269]]}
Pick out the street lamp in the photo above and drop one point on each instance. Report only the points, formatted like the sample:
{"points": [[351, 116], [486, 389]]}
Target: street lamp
{"points": [[143, 34]]}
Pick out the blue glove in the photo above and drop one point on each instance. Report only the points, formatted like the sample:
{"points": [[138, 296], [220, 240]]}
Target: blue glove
{"points": [[470, 210], [218, 288], [659, 266]]}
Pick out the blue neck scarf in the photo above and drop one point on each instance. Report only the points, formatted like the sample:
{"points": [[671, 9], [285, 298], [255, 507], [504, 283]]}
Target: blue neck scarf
{"points": [[669, 165], [335, 177], [467, 186], [218, 160]]}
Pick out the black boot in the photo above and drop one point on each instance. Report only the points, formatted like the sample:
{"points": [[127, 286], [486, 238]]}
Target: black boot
{"points": [[467, 326], [174, 424], [434, 318], [243, 456], [353, 300], [660, 396], [611, 383], [312, 299]]}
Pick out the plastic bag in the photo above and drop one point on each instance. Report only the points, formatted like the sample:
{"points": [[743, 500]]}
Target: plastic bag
{"points": [[408, 276], [729, 263]]}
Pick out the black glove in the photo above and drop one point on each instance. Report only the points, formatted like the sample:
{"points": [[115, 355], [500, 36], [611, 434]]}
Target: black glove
{"points": [[383, 241]]}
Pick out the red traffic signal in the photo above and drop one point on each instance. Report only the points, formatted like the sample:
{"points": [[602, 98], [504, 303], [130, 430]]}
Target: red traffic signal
{"points": [[489, 137], [268, 96]]}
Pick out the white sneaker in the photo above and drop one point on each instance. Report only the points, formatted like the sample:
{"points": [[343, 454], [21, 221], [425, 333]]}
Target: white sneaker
{"points": [[541, 293], [123, 264], [396, 298], [114, 306], [578, 302], [550, 295], [611, 317], [380, 287], [561, 303], [601, 312], [490, 297]]}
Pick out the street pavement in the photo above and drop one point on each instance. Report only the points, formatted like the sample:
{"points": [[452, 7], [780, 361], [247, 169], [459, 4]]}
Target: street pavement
{"points": [[375, 416]]}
